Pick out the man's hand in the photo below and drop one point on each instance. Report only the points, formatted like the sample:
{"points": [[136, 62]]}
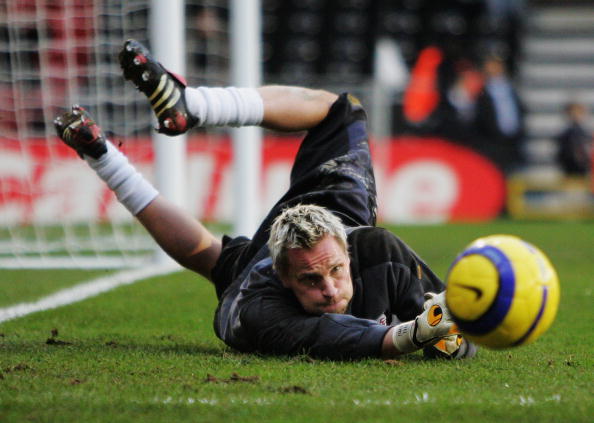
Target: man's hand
{"points": [[434, 322], [451, 347]]}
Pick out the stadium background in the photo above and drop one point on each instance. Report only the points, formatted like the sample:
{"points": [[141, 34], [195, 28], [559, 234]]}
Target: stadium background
{"points": [[58, 53]]}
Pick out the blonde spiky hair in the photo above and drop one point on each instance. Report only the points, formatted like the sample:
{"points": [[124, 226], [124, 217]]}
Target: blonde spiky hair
{"points": [[302, 226]]}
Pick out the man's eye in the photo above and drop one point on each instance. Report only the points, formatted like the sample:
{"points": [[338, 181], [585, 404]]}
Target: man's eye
{"points": [[336, 269], [308, 281]]}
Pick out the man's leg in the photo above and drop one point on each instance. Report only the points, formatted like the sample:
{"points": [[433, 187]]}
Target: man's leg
{"points": [[180, 235], [178, 107], [333, 165]]}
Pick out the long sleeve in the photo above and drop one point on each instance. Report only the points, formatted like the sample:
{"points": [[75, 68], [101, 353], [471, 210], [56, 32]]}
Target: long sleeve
{"points": [[266, 317]]}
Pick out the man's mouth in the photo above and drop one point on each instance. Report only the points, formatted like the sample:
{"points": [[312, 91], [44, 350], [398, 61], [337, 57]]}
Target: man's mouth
{"points": [[331, 305]]}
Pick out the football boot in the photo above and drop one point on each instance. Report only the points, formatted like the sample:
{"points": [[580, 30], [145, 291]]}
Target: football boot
{"points": [[79, 131], [164, 89]]}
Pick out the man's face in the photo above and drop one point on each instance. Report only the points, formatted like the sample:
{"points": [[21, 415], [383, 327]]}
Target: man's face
{"points": [[320, 277]]}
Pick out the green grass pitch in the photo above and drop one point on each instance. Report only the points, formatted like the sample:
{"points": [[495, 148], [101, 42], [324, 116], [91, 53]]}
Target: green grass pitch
{"points": [[147, 352]]}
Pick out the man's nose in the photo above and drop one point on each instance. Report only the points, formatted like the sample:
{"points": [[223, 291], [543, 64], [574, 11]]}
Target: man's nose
{"points": [[329, 288]]}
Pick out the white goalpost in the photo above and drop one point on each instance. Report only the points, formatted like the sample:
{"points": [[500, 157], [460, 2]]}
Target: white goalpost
{"points": [[167, 29], [54, 212], [247, 142]]}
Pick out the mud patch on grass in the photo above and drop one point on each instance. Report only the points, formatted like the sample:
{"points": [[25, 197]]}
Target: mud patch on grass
{"points": [[235, 377]]}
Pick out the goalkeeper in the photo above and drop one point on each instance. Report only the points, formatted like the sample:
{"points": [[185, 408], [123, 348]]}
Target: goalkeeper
{"points": [[317, 277]]}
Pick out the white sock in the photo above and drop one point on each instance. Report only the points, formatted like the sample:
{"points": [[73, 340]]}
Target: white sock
{"points": [[229, 106], [130, 187]]}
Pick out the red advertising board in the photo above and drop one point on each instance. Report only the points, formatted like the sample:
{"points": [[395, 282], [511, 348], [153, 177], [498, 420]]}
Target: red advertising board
{"points": [[419, 180]]}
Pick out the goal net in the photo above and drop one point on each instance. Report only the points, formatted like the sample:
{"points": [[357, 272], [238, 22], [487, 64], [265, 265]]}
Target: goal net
{"points": [[54, 211]]}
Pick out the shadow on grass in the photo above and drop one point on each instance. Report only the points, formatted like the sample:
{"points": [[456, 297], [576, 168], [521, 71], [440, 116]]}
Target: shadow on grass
{"points": [[103, 347], [169, 345]]}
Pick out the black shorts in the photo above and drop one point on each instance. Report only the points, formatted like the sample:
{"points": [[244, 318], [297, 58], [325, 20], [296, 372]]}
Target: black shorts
{"points": [[332, 169]]}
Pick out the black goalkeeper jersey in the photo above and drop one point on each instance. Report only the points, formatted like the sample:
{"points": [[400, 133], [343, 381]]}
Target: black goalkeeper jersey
{"points": [[260, 315], [256, 313]]}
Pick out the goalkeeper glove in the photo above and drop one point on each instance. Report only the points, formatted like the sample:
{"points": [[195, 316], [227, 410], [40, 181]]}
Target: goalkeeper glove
{"points": [[434, 323], [450, 347]]}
